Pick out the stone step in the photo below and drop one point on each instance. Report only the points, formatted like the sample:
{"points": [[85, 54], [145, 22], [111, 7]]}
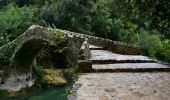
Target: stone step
{"points": [[93, 47], [107, 57], [131, 67], [110, 61]]}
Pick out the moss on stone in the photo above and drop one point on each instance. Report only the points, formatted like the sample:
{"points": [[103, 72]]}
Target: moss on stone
{"points": [[57, 35], [71, 74], [53, 77]]}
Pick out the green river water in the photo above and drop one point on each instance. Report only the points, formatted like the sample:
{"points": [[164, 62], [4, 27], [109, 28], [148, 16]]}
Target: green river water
{"points": [[55, 93]]}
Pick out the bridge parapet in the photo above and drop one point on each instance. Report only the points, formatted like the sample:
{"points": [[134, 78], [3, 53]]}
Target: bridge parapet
{"points": [[115, 46]]}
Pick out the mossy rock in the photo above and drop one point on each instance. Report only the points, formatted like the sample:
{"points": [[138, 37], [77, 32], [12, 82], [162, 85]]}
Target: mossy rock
{"points": [[53, 77]]}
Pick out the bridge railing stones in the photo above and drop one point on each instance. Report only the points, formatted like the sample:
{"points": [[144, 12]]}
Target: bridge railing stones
{"points": [[84, 65], [115, 46], [84, 50]]}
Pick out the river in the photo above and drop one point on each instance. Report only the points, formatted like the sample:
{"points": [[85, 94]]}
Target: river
{"points": [[53, 93]]}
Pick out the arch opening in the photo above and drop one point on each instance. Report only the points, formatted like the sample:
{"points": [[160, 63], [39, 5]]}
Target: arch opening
{"points": [[27, 53], [40, 51]]}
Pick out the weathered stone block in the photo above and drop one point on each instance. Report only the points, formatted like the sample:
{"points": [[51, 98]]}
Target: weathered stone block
{"points": [[85, 66]]}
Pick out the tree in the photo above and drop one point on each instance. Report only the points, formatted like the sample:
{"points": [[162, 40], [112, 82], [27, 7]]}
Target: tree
{"points": [[80, 13], [74, 15], [102, 23], [14, 20]]}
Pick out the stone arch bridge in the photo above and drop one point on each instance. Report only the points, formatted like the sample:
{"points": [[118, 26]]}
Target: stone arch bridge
{"points": [[33, 39], [91, 54]]}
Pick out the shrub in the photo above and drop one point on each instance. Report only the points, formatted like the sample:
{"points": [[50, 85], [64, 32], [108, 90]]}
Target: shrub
{"points": [[125, 32], [165, 54], [15, 20], [150, 44], [3, 39]]}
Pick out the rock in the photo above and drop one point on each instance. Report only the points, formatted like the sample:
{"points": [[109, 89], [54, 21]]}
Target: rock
{"points": [[30, 83], [85, 65], [15, 83], [53, 77]]}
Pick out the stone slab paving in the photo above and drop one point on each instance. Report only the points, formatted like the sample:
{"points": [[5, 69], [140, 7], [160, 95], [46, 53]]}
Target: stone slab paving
{"points": [[123, 86], [93, 47], [107, 55], [129, 65]]}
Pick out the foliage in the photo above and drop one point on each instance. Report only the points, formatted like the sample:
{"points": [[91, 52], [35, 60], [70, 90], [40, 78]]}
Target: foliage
{"points": [[126, 32], [102, 23], [4, 39], [3, 93], [50, 14], [38, 70], [75, 15], [154, 12], [59, 36], [71, 74], [165, 54], [22, 3], [150, 44], [6, 53], [15, 20]]}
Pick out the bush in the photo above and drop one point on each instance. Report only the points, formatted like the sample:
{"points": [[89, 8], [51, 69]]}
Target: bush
{"points": [[102, 22], [125, 32], [165, 54], [3, 39], [15, 20], [150, 44]]}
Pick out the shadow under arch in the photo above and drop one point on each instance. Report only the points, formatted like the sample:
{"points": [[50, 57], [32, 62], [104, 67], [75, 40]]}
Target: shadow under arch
{"points": [[27, 53]]}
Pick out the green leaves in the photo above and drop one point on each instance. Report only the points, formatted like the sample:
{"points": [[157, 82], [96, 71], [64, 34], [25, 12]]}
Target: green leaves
{"points": [[165, 54], [151, 44], [14, 20]]}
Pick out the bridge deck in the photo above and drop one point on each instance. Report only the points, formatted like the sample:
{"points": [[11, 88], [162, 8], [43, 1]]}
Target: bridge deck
{"points": [[130, 67], [107, 55], [145, 84], [123, 86], [93, 47]]}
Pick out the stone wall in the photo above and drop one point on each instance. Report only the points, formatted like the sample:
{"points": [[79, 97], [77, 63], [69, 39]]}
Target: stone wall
{"points": [[115, 46]]}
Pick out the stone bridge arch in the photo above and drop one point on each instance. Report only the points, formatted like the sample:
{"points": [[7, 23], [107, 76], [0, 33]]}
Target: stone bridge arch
{"points": [[25, 55], [31, 43]]}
